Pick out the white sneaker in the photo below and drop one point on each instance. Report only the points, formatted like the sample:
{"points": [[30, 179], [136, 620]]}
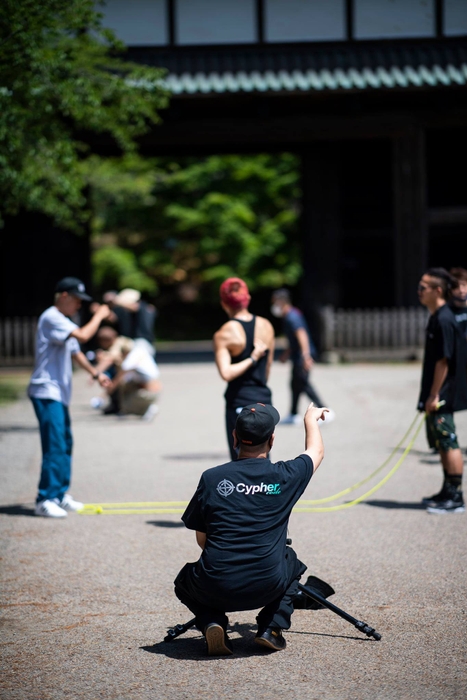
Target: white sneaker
{"points": [[328, 417], [49, 509], [292, 419], [97, 402], [68, 503], [152, 410]]}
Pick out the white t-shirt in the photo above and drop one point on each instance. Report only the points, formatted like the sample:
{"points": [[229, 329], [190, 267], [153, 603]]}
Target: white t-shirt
{"points": [[139, 360], [51, 378]]}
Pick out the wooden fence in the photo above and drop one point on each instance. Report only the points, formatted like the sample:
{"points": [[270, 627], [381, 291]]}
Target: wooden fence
{"points": [[376, 333], [17, 340], [390, 333]]}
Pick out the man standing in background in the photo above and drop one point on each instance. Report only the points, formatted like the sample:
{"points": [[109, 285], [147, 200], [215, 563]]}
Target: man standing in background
{"points": [[458, 301], [57, 341], [301, 350], [134, 317], [443, 386]]}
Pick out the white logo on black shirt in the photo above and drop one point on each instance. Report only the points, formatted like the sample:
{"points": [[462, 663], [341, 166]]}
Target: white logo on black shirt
{"points": [[225, 487]]}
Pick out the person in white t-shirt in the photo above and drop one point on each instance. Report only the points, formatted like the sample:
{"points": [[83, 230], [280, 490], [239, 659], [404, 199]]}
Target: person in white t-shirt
{"points": [[57, 341]]}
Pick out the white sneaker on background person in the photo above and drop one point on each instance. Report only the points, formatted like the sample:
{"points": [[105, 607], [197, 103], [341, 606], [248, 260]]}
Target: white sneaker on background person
{"points": [[97, 402], [328, 417], [69, 504], [49, 509], [152, 410], [292, 419]]}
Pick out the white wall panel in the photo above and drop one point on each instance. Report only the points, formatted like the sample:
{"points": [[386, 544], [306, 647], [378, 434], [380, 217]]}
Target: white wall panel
{"points": [[215, 21], [455, 17], [378, 19], [137, 22], [304, 20]]}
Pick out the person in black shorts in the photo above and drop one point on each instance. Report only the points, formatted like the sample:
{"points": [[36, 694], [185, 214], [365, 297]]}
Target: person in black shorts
{"points": [[243, 350], [443, 380], [240, 512]]}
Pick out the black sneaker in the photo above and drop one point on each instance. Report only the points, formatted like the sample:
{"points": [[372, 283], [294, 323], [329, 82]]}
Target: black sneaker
{"points": [[453, 504], [217, 640], [444, 495], [271, 638]]}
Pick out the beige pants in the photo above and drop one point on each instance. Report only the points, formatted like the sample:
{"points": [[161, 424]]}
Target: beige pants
{"points": [[135, 399]]}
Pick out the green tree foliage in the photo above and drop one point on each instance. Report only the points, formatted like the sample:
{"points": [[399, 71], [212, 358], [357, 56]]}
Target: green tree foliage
{"points": [[196, 222], [61, 80]]}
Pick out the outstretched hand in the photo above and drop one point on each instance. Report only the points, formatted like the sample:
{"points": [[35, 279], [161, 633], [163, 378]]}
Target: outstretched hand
{"points": [[316, 412]]}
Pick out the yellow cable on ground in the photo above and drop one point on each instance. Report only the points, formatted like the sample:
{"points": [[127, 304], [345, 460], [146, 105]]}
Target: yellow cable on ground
{"points": [[375, 488], [370, 476], [139, 504], [155, 507], [101, 510]]}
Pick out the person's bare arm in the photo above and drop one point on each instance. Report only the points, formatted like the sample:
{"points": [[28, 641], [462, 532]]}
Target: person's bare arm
{"points": [[223, 340], [439, 377], [201, 539], [304, 343], [266, 333], [116, 381], [105, 361], [87, 331], [81, 359], [314, 446]]}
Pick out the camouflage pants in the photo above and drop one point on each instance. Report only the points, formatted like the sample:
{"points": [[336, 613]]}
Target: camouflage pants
{"points": [[441, 431]]}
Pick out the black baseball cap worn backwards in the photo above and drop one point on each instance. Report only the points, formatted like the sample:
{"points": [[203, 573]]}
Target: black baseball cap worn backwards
{"points": [[255, 423], [73, 286]]}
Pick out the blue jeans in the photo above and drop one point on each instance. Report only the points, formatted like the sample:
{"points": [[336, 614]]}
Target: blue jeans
{"points": [[57, 443]]}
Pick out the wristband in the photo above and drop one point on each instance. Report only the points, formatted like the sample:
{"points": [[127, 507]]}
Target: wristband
{"points": [[255, 362], [96, 376]]}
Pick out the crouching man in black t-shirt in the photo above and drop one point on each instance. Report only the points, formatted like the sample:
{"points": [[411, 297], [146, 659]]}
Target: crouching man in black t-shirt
{"points": [[240, 513]]}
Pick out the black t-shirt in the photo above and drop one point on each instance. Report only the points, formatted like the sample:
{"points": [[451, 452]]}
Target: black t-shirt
{"points": [[136, 324], [444, 339], [244, 508], [292, 322], [460, 314]]}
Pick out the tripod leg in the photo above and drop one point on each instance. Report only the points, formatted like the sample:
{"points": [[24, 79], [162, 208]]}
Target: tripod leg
{"points": [[178, 630], [362, 626]]}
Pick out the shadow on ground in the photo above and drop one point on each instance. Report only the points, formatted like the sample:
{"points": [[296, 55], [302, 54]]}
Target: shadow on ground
{"points": [[194, 648], [396, 505], [16, 510], [19, 428], [214, 456]]}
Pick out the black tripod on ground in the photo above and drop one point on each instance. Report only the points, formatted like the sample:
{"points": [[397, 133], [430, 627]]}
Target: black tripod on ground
{"points": [[315, 591]]}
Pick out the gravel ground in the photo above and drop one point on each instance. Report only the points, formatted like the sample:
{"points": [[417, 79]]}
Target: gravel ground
{"points": [[87, 600]]}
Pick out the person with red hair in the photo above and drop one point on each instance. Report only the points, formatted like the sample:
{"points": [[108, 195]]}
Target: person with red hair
{"points": [[243, 350]]}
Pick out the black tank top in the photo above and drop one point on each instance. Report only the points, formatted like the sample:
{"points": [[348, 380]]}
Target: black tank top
{"points": [[249, 387]]}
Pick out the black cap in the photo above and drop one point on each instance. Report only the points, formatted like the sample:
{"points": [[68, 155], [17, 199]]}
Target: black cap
{"points": [[255, 423], [73, 286]]}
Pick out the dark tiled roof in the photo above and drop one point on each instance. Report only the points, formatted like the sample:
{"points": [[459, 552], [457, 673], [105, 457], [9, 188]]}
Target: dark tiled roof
{"points": [[310, 67]]}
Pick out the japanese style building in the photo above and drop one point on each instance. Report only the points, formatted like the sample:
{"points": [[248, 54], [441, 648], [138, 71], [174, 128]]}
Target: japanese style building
{"points": [[371, 94]]}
